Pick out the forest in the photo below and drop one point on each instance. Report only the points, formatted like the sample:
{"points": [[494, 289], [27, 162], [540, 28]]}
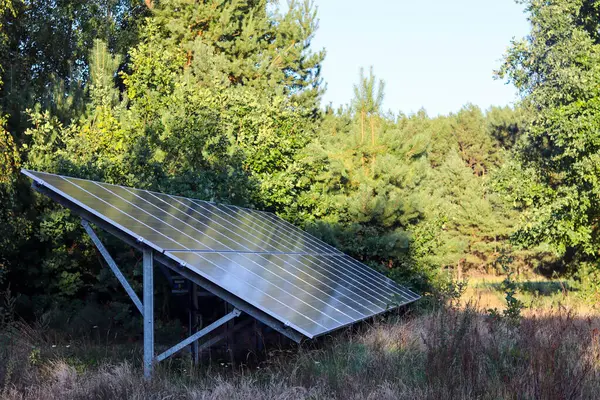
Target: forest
{"points": [[221, 100]]}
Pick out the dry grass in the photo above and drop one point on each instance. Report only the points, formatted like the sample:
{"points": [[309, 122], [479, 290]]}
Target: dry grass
{"points": [[450, 354], [538, 294]]}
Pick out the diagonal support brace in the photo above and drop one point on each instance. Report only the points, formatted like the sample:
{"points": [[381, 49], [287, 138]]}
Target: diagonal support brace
{"points": [[211, 342], [199, 334], [113, 266]]}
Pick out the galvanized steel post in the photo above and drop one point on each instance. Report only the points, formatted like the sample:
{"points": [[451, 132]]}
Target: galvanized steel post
{"points": [[194, 324], [148, 313]]}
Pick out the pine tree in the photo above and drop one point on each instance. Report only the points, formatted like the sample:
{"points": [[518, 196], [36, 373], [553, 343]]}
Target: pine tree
{"points": [[257, 47], [367, 101], [477, 148]]}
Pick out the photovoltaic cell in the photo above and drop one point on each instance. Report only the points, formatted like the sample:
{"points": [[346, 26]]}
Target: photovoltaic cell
{"points": [[265, 261]]}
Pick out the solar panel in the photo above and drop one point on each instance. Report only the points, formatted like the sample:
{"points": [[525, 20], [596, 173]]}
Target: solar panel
{"points": [[253, 255]]}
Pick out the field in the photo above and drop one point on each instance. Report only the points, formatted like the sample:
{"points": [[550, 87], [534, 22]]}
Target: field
{"points": [[455, 352], [537, 294]]}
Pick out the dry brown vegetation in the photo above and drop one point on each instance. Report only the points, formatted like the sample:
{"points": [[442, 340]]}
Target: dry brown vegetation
{"points": [[450, 353]]}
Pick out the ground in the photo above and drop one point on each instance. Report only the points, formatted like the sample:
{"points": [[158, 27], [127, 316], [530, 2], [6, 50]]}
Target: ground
{"points": [[457, 351], [538, 294]]}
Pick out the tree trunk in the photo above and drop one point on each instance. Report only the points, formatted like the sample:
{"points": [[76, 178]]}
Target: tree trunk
{"points": [[372, 131], [362, 126]]}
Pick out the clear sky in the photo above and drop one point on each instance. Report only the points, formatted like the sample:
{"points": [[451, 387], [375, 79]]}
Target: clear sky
{"points": [[436, 54]]}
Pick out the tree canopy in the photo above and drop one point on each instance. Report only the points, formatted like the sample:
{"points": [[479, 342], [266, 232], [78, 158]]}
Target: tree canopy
{"points": [[221, 100], [556, 69]]}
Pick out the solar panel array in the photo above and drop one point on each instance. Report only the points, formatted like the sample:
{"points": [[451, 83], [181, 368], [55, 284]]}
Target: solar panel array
{"points": [[267, 262]]}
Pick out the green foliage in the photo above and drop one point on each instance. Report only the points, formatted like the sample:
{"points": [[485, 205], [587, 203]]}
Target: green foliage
{"points": [[556, 69], [477, 148], [7, 308], [448, 294], [214, 111], [47, 50], [512, 312], [367, 101], [253, 45], [220, 101], [417, 199], [586, 282]]}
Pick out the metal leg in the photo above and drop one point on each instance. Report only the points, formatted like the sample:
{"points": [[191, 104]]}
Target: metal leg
{"points": [[148, 313], [190, 317], [231, 339], [147, 307], [194, 346], [112, 265]]}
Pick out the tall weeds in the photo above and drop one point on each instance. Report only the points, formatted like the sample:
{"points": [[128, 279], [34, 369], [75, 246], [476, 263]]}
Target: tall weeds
{"points": [[451, 353]]}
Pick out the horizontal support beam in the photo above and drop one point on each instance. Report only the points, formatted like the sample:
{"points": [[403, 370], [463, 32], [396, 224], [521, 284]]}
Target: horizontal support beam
{"points": [[199, 334], [112, 265]]}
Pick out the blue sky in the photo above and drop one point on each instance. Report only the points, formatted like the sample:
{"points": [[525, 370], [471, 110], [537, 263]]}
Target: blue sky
{"points": [[436, 54]]}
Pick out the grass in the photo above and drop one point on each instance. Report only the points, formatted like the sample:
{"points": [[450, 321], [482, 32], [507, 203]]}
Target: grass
{"points": [[537, 293], [450, 353]]}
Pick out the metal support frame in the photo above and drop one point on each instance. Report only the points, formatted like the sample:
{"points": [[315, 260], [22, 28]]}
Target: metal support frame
{"points": [[147, 307], [112, 265], [194, 320], [211, 342], [148, 312], [231, 299], [199, 334], [168, 262]]}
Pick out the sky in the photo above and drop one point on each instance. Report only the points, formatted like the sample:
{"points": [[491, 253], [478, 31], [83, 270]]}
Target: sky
{"points": [[436, 54]]}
